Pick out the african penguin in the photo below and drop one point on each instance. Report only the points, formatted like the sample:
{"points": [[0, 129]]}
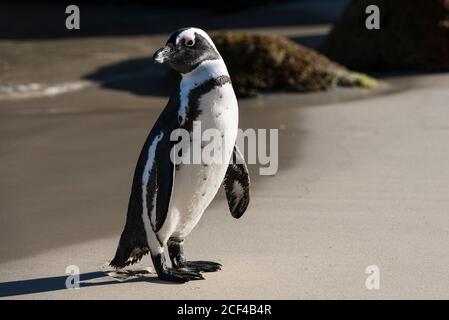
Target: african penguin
{"points": [[167, 200]]}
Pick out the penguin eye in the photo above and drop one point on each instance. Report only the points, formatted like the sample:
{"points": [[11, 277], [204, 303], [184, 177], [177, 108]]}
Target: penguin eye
{"points": [[189, 42]]}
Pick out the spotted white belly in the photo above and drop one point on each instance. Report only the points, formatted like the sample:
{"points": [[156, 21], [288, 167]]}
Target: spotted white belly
{"points": [[196, 185]]}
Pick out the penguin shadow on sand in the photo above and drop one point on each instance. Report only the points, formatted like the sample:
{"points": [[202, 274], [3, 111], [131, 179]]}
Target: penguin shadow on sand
{"points": [[89, 279], [139, 76]]}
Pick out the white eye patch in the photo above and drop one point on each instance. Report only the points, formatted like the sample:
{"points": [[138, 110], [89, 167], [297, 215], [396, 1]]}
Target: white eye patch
{"points": [[189, 42], [187, 37]]}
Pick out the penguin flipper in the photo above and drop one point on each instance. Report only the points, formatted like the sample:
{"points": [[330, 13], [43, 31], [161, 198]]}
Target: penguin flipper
{"points": [[236, 184]]}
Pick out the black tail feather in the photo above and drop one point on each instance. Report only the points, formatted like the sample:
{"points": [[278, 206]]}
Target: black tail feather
{"points": [[125, 257], [129, 251]]}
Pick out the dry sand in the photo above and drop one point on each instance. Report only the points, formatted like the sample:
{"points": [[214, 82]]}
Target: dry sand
{"points": [[361, 182]]}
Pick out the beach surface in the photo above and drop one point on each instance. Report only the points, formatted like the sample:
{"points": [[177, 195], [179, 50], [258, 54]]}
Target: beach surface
{"points": [[363, 181], [360, 183]]}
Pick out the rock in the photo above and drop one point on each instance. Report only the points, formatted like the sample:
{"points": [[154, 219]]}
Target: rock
{"points": [[413, 35], [261, 63]]}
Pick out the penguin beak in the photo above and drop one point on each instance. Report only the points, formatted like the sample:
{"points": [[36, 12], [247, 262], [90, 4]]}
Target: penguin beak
{"points": [[162, 55]]}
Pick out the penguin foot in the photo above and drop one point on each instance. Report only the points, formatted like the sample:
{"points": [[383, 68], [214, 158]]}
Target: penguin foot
{"points": [[180, 276], [178, 260], [202, 266]]}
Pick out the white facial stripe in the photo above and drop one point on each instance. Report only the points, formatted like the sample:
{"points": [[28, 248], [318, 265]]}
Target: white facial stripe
{"points": [[188, 37], [190, 34]]}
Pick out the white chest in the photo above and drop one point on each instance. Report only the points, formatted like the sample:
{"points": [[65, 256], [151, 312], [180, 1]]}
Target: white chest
{"points": [[196, 184], [218, 110], [216, 133]]}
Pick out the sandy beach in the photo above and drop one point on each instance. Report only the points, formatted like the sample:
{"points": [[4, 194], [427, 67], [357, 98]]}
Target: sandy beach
{"points": [[363, 180], [361, 183]]}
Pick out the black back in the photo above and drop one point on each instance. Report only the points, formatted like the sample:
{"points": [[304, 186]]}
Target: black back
{"points": [[133, 241]]}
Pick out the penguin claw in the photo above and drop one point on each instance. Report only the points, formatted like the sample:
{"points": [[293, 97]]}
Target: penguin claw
{"points": [[203, 266], [169, 277], [180, 276], [188, 274]]}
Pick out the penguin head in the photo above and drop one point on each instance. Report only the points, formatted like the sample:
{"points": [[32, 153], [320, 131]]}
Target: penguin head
{"points": [[185, 49]]}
